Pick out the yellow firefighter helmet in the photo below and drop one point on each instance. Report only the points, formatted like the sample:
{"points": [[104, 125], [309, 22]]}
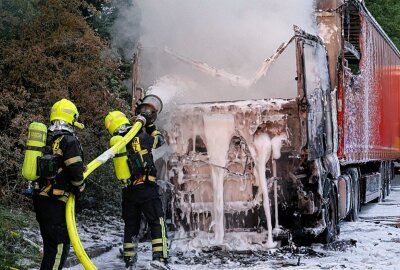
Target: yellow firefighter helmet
{"points": [[114, 120], [65, 110]]}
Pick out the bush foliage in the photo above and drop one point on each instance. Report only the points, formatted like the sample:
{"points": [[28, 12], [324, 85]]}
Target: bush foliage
{"points": [[48, 52]]}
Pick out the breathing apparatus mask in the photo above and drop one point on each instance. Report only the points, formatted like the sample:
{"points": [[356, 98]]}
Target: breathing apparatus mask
{"points": [[149, 108]]}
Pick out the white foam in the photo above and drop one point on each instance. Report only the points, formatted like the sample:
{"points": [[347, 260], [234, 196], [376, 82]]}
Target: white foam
{"points": [[218, 129], [262, 143]]}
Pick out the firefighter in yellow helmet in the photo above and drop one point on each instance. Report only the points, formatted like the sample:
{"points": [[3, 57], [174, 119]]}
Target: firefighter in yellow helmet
{"points": [[140, 193], [61, 172]]}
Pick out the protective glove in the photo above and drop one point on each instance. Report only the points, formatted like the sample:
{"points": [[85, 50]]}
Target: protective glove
{"points": [[141, 119]]}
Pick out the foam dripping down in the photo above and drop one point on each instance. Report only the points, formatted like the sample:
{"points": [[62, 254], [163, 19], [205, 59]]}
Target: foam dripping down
{"points": [[263, 146], [218, 129]]}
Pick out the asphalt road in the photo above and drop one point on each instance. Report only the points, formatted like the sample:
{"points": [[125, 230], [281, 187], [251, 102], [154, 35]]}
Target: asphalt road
{"points": [[385, 212]]}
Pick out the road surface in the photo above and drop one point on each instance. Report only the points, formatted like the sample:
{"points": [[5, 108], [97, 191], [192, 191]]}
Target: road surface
{"points": [[372, 242]]}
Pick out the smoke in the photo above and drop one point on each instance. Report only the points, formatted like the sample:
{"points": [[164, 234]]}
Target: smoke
{"points": [[234, 36], [126, 29]]}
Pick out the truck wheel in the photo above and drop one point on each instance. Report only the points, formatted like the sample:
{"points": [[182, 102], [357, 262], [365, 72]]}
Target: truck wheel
{"points": [[355, 196], [330, 214]]}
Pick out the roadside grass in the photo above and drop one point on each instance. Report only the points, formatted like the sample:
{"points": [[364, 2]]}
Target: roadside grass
{"points": [[17, 250]]}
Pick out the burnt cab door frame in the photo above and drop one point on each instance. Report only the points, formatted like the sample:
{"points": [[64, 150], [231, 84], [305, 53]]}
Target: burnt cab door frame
{"points": [[313, 95]]}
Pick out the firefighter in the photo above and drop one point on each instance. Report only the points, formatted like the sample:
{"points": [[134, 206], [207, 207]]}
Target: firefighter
{"points": [[140, 192], [60, 172]]}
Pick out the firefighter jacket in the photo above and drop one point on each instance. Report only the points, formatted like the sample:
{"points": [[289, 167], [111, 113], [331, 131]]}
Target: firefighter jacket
{"points": [[67, 152], [140, 156]]}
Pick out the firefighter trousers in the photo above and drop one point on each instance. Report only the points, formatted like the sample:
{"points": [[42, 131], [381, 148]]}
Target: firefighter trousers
{"points": [[143, 198], [50, 213]]}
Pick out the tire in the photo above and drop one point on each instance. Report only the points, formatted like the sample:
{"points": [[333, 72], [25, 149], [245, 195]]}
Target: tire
{"points": [[330, 214], [355, 198]]}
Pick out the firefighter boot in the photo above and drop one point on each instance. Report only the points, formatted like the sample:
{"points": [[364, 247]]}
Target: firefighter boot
{"points": [[130, 255], [160, 264], [130, 263]]}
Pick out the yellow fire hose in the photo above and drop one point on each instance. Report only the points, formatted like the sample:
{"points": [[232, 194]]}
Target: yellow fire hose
{"points": [[70, 207]]}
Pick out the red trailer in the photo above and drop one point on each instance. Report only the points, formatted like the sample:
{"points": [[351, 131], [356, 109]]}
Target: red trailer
{"points": [[369, 96], [369, 90]]}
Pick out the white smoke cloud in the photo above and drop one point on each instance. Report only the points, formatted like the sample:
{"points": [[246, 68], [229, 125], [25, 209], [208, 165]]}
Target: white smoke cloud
{"points": [[233, 35]]}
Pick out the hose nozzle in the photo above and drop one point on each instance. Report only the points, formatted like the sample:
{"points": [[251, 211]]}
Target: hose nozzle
{"points": [[141, 119]]}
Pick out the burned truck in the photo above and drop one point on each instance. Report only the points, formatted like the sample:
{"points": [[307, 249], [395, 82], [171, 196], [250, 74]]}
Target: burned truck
{"points": [[299, 163]]}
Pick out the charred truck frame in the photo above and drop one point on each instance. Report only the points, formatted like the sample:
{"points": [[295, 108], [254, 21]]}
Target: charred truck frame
{"points": [[329, 150]]}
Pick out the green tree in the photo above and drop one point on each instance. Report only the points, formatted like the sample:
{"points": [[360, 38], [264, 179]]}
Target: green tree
{"points": [[387, 13], [13, 15]]}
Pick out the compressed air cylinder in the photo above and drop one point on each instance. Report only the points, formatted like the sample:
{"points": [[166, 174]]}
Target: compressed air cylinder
{"points": [[120, 161], [37, 135]]}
